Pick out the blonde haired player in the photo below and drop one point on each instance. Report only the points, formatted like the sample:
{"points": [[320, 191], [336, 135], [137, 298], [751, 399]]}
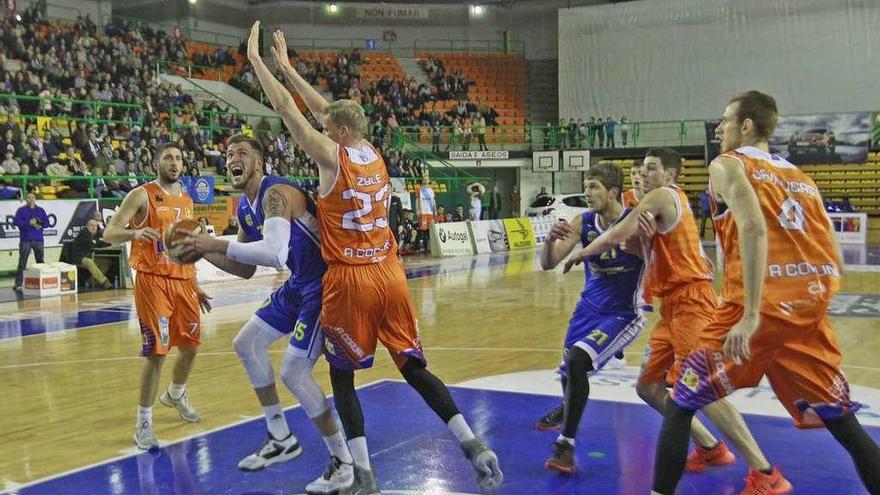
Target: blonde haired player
{"points": [[366, 298], [166, 295]]}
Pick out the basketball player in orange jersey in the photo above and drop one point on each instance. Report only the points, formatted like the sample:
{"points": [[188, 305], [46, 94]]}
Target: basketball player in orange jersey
{"points": [[631, 197], [365, 292], [166, 295], [781, 270], [679, 273]]}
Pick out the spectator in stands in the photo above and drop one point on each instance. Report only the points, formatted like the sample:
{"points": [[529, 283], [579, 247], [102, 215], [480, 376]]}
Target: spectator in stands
{"points": [[441, 214], [572, 133], [81, 252], [435, 137], [581, 131], [624, 130], [600, 132], [232, 227], [409, 233], [515, 201], [542, 194], [459, 214], [10, 165], [30, 220], [610, 125], [494, 203], [395, 217], [562, 131], [480, 130], [549, 135]]}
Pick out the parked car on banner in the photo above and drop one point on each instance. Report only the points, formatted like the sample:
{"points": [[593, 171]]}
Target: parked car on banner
{"points": [[818, 140], [560, 206]]}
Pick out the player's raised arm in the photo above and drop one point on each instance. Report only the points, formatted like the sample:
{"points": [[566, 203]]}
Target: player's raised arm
{"points": [[316, 103], [728, 181], [132, 208], [321, 148], [563, 237]]}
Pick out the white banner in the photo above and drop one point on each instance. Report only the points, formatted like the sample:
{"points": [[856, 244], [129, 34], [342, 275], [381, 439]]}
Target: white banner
{"points": [[66, 218], [479, 155], [480, 236], [451, 239], [541, 226], [392, 12], [497, 236], [398, 188]]}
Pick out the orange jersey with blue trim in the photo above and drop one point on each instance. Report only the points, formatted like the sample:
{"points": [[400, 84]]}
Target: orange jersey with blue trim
{"points": [[353, 215], [163, 209], [677, 256], [802, 274]]}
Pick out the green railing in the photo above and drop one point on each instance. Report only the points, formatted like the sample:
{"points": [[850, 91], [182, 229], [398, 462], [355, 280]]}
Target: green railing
{"points": [[637, 134], [418, 45], [207, 93], [59, 105], [189, 68], [209, 120], [453, 45]]}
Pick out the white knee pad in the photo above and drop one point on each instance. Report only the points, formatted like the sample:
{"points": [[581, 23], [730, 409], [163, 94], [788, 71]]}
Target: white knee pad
{"points": [[296, 373], [252, 346]]}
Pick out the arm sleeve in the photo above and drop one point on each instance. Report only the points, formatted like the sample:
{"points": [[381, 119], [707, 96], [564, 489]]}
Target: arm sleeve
{"points": [[19, 221], [270, 251]]}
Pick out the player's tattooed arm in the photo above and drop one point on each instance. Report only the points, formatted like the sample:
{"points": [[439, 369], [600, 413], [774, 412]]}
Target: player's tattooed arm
{"points": [[276, 202]]}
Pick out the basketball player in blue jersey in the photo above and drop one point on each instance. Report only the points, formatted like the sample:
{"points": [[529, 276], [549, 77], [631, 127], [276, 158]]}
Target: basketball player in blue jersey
{"points": [[608, 317], [278, 226]]}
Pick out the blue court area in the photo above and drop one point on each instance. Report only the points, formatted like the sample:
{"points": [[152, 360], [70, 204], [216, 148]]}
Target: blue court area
{"points": [[412, 452]]}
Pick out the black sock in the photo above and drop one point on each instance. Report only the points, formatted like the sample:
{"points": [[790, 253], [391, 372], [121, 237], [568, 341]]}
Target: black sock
{"points": [[672, 447], [347, 404], [432, 390], [577, 390], [861, 447]]}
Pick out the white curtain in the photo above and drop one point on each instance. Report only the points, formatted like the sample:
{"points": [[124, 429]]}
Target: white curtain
{"points": [[683, 59]]}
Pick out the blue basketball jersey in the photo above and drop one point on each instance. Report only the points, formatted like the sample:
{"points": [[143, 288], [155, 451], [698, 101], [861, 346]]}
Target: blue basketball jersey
{"points": [[614, 278], [304, 251]]}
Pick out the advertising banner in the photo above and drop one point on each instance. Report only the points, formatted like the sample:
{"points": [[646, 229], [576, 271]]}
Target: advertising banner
{"points": [[480, 236], [519, 233], [451, 239], [66, 218], [497, 236], [541, 227]]}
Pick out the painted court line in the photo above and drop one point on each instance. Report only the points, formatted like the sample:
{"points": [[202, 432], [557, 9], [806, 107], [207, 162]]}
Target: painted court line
{"points": [[12, 485]]}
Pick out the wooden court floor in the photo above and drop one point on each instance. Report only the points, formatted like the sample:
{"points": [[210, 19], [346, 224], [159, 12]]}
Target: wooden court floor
{"points": [[69, 398]]}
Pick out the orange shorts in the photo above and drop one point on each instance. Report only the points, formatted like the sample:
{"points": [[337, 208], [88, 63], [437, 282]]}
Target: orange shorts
{"points": [[683, 314], [802, 365], [168, 312], [363, 304], [425, 221]]}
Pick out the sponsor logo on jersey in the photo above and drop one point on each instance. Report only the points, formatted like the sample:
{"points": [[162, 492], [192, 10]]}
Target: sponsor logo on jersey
{"points": [[249, 220], [690, 379]]}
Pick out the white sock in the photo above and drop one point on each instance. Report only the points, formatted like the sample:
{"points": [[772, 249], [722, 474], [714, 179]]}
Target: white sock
{"points": [[276, 423], [358, 447], [561, 438], [337, 447], [145, 414], [176, 391], [459, 427]]}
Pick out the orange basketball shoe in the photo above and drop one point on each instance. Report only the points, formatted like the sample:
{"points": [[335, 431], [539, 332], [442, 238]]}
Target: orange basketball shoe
{"points": [[702, 458], [758, 483]]}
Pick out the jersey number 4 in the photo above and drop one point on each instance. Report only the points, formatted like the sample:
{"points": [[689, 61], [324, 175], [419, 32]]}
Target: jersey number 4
{"points": [[350, 218]]}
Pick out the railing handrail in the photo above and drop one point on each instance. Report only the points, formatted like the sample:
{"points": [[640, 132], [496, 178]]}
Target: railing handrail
{"points": [[192, 81]]}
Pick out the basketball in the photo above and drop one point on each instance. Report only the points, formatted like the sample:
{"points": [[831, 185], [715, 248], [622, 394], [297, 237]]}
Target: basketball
{"points": [[177, 232]]}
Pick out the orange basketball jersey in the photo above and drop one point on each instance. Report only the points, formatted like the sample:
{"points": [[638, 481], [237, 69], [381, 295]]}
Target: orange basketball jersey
{"points": [[629, 199], [677, 256], [802, 273], [163, 209], [353, 216]]}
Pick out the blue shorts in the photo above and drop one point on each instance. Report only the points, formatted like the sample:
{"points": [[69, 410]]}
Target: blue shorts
{"points": [[601, 335], [295, 308]]}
